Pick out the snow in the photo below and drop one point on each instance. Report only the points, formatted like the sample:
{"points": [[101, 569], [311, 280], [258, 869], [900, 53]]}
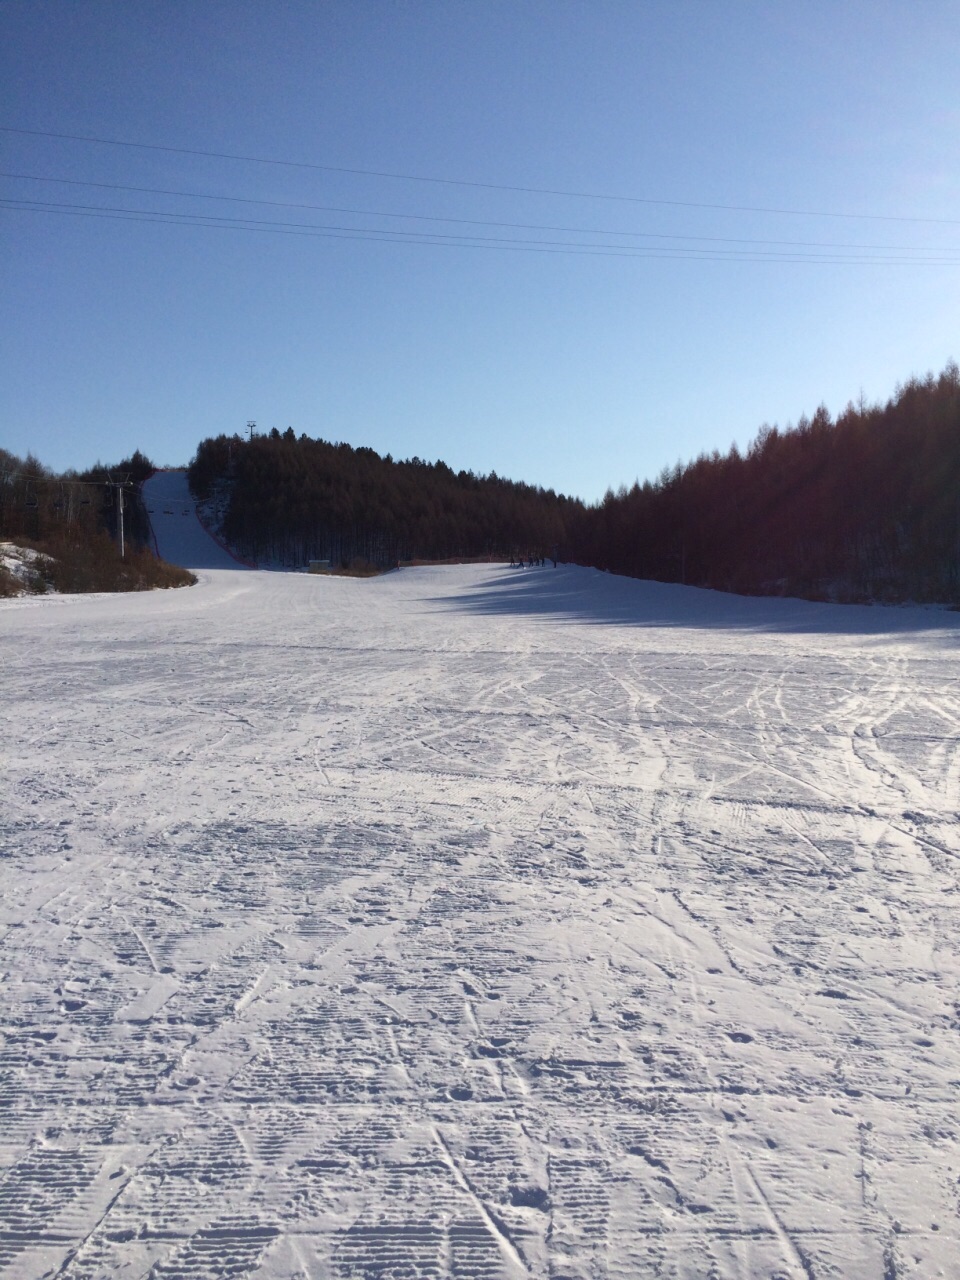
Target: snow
{"points": [[178, 535], [476, 922], [20, 563]]}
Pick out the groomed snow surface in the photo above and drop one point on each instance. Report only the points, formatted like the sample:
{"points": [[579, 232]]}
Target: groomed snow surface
{"points": [[477, 922], [178, 535]]}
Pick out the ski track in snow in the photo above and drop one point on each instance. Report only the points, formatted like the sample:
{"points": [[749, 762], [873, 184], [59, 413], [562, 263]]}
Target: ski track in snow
{"points": [[481, 924]]}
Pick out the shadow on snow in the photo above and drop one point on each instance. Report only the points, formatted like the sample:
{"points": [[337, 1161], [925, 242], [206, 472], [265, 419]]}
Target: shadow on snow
{"points": [[573, 594]]}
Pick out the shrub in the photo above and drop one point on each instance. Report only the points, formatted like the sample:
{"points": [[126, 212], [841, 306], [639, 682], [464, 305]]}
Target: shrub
{"points": [[93, 563], [9, 585]]}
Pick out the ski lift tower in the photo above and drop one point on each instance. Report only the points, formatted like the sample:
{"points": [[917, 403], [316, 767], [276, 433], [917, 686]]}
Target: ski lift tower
{"points": [[251, 428]]}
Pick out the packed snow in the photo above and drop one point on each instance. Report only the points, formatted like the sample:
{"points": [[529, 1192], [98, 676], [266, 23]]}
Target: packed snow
{"points": [[178, 535], [478, 923], [20, 563]]}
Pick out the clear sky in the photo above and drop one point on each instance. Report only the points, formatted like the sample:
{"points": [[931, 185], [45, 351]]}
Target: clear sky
{"points": [[440, 297]]}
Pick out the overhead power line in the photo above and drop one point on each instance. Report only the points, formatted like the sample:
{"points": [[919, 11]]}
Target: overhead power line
{"points": [[468, 222], [30, 478], [437, 240], [485, 186]]}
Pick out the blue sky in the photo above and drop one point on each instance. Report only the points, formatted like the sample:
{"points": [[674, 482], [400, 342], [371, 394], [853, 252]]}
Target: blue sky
{"points": [[544, 361]]}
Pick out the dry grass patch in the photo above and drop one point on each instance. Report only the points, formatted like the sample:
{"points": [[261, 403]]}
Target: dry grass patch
{"points": [[9, 585], [92, 563]]}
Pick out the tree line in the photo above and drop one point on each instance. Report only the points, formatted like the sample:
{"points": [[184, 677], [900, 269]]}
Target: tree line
{"points": [[866, 507], [72, 519], [292, 499]]}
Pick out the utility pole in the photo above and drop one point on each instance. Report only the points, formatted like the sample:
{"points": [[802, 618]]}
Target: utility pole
{"points": [[118, 486]]}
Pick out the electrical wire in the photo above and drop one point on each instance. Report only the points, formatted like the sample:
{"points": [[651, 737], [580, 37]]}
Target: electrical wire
{"points": [[30, 478], [484, 186], [472, 222], [437, 240]]}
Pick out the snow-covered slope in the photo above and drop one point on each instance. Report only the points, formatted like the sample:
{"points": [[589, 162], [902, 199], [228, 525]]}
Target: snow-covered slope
{"points": [[180, 537], [474, 922]]}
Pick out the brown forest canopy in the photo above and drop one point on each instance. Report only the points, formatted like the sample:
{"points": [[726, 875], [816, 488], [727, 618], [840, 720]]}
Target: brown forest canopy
{"points": [[294, 499], [72, 520], [39, 505], [866, 507]]}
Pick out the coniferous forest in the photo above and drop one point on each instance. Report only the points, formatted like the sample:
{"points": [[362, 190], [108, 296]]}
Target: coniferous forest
{"points": [[866, 507], [289, 500], [72, 521]]}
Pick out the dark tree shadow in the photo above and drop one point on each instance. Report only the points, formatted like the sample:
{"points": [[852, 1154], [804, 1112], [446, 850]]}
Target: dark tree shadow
{"points": [[573, 594]]}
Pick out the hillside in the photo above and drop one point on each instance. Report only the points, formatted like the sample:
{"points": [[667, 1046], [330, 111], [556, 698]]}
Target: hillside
{"points": [[288, 499], [862, 508], [178, 535], [61, 532]]}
